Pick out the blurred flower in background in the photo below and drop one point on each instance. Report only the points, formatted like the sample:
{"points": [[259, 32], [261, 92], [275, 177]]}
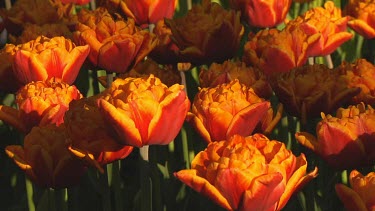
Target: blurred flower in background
{"points": [[45, 158], [362, 17], [45, 58], [8, 81], [361, 195], [346, 141], [247, 173], [199, 32], [261, 13], [144, 111], [116, 45], [218, 113], [40, 103], [79, 2]]}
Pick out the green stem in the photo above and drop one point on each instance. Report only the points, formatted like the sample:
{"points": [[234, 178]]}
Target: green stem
{"points": [[146, 183], [116, 185], [29, 192], [105, 191], [61, 199]]}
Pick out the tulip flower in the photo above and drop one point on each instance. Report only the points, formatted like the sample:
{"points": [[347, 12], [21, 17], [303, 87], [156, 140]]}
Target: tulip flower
{"points": [[362, 17], [311, 89], [148, 12], [31, 11], [44, 58], [345, 141], [144, 111], [208, 33], [40, 103], [116, 45], [274, 51], [218, 74], [360, 73], [220, 112], [89, 137], [261, 13], [45, 158], [247, 173], [328, 23], [361, 196]]}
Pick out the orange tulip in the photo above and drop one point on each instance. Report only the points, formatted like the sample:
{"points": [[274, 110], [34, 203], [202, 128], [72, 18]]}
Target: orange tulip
{"points": [[32, 11], [361, 196], [311, 89], [220, 112], [345, 141], [45, 58], [144, 111], [148, 11], [360, 73], [40, 103], [362, 17], [218, 74], [116, 45], [274, 51], [45, 158], [261, 13], [207, 33], [247, 173], [328, 23], [89, 137]]}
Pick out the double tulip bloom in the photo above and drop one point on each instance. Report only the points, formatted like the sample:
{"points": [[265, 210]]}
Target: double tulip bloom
{"points": [[345, 141], [218, 74], [328, 23], [247, 173], [360, 196], [274, 51], [362, 17], [144, 111], [262, 13], [88, 135], [311, 89], [360, 73], [225, 110], [207, 33], [45, 58], [40, 103], [45, 159], [116, 45]]}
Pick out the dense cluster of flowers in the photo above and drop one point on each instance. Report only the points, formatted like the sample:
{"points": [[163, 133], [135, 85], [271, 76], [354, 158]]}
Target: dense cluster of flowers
{"points": [[243, 85]]}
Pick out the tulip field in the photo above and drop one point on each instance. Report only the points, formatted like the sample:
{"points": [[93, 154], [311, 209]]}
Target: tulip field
{"points": [[165, 105]]}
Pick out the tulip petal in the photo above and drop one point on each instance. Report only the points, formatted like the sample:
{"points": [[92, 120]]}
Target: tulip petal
{"points": [[169, 117], [27, 68], [232, 183], [76, 58], [350, 199], [123, 124], [244, 122], [199, 126], [201, 185], [308, 140], [264, 193], [11, 116]]}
